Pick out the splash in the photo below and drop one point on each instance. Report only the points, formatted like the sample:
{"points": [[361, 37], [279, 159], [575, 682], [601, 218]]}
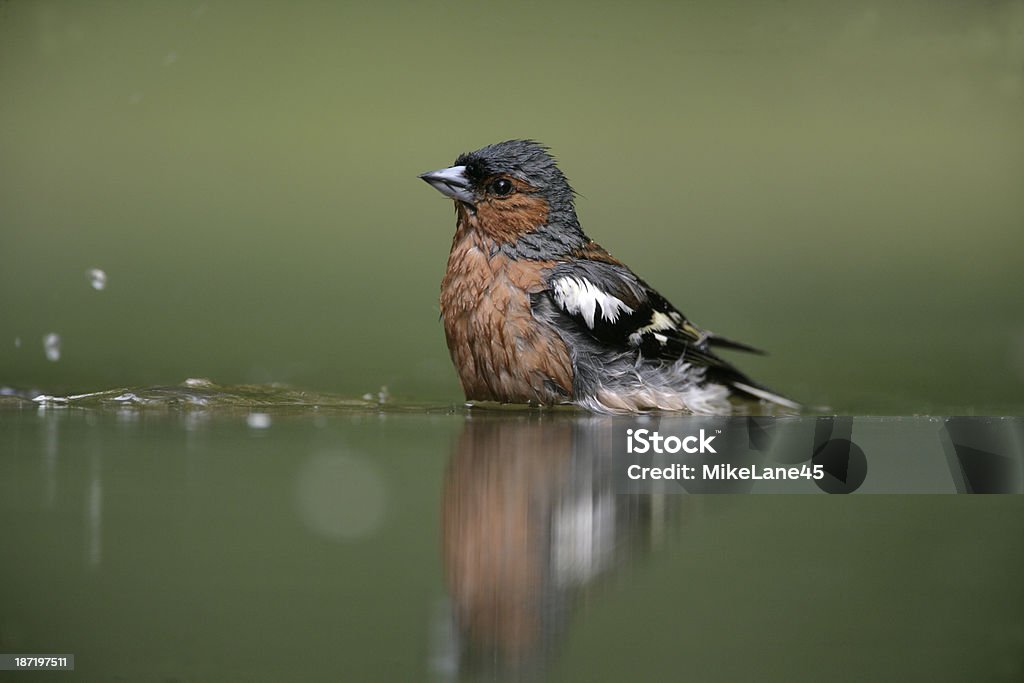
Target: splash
{"points": [[97, 278], [51, 347], [259, 403]]}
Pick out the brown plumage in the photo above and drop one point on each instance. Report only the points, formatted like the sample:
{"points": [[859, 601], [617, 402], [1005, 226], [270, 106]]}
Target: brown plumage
{"points": [[485, 295], [536, 312]]}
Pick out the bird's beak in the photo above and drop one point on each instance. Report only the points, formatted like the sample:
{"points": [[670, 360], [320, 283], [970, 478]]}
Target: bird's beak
{"points": [[451, 182]]}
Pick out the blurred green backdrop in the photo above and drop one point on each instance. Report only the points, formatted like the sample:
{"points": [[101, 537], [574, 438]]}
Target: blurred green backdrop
{"points": [[837, 183]]}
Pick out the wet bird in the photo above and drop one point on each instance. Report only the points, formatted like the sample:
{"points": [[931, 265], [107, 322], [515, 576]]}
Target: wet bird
{"points": [[534, 311]]}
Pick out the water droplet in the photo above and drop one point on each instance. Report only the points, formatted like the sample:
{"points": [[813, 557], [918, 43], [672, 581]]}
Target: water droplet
{"points": [[97, 278], [170, 58], [51, 346], [17, 342], [382, 396], [257, 420], [47, 400]]}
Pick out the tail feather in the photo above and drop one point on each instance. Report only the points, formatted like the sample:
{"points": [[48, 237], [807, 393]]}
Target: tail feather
{"points": [[726, 343], [764, 394]]}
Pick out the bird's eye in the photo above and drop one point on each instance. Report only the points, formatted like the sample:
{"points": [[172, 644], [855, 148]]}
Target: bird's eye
{"points": [[501, 187]]}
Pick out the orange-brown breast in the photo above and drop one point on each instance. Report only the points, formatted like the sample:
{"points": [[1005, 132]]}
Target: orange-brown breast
{"points": [[501, 352]]}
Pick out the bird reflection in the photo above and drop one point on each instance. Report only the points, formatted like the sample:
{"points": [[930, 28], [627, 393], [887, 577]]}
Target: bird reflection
{"points": [[530, 520]]}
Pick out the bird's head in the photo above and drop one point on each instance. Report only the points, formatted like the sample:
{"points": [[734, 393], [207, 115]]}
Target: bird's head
{"points": [[509, 190]]}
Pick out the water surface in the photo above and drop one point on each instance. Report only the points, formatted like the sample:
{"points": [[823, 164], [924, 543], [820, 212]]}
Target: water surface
{"points": [[350, 543]]}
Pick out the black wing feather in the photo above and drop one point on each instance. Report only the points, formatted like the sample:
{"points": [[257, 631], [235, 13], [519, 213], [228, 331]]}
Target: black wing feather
{"points": [[651, 326]]}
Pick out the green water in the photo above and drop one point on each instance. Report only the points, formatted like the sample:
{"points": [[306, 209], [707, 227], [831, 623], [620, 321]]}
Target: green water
{"points": [[836, 183], [161, 545]]}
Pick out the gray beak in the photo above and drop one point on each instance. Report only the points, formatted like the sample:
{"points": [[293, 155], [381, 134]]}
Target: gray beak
{"points": [[451, 182]]}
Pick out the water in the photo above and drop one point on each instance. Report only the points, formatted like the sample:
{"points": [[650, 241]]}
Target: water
{"points": [[97, 279], [175, 536], [51, 347]]}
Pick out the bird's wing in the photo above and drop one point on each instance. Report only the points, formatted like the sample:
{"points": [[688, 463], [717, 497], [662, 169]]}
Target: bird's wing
{"points": [[605, 301], [619, 310]]}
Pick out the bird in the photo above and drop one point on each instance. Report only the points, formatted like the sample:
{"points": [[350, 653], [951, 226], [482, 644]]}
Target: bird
{"points": [[535, 312]]}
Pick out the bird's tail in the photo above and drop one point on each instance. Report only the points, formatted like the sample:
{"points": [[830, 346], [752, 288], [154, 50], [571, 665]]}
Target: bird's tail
{"points": [[764, 394]]}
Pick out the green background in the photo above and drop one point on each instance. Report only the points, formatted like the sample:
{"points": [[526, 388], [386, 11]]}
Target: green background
{"points": [[840, 185]]}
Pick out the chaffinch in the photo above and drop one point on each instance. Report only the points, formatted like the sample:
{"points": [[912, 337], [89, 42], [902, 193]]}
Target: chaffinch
{"points": [[535, 311]]}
